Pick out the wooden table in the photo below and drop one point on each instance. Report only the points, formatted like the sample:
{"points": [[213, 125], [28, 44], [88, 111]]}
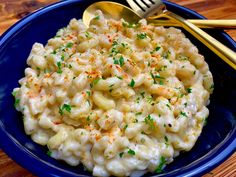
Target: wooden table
{"points": [[13, 10]]}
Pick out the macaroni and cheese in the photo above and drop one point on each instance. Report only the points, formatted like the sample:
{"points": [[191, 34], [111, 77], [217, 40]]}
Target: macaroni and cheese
{"points": [[119, 98]]}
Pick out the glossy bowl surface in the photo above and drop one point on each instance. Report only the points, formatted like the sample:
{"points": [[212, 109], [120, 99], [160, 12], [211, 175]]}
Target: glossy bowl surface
{"points": [[216, 143]]}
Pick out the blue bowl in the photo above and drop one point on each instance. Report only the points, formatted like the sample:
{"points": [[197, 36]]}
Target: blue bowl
{"points": [[216, 143]]}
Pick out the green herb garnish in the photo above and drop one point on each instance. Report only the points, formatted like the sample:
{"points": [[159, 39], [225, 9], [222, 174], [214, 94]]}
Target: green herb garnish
{"points": [[131, 152], [97, 17], [17, 102], [87, 34], [121, 154], [59, 71], [149, 121], [205, 121], [94, 82], [161, 165], [138, 113], [161, 82], [153, 77], [66, 107], [189, 90], [69, 45], [155, 50], [141, 35], [168, 106], [119, 61], [183, 114], [132, 83], [49, 153], [88, 93], [142, 94], [119, 77]]}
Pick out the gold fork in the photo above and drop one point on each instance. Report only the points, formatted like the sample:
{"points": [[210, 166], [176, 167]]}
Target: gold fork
{"points": [[159, 9], [148, 8]]}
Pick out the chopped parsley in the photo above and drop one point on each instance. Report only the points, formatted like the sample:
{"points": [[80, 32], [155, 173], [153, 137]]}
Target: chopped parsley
{"points": [[180, 95], [125, 127], [212, 86], [70, 66], [155, 50], [59, 71], [142, 94], [167, 54], [87, 34], [138, 113], [97, 17], [141, 35], [114, 50], [94, 82], [88, 93], [54, 52], [168, 106], [131, 152], [114, 43], [161, 82], [153, 77], [119, 77], [185, 104], [205, 121], [159, 77], [183, 114], [124, 45], [161, 165], [64, 107], [163, 68], [132, 83], [88, 118], [181, 57], [121, 154], [49, 153], [189, 90], [69, 45], [119, 61], [138, 100], [14, 93], [62, 57], [166, 141], [150, 99], [17, 102], [149, 121]]}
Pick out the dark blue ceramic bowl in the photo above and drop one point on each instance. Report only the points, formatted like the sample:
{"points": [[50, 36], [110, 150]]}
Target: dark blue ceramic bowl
{"points": [[216, 143]]}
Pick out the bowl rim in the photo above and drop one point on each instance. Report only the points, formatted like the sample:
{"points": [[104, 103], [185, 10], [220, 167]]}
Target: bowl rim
{"points": [[22, 156]]}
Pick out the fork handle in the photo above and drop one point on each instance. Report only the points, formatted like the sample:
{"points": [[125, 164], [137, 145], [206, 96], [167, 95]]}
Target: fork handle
{"points": [[218, 48], [221, 24], [230, 24]]}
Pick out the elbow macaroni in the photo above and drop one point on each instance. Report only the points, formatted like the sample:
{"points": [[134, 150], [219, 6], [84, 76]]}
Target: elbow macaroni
{"points": [[117, 97]]}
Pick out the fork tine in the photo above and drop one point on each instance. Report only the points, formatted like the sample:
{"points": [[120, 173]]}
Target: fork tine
{"points": [[141, 4], [152, 1], [147, 3], [155, 6], [135, 7]]}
